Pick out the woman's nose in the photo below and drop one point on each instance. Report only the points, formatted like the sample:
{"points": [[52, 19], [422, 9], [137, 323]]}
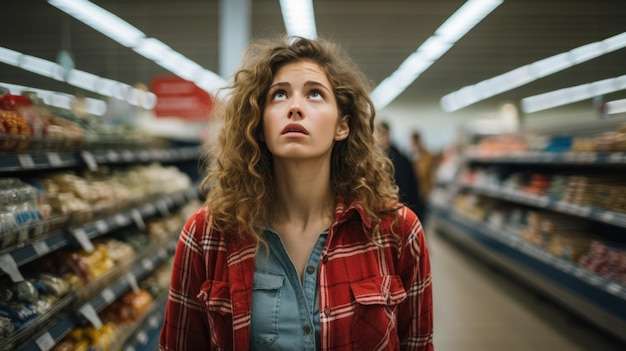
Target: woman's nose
{"points": [[295, 109]]}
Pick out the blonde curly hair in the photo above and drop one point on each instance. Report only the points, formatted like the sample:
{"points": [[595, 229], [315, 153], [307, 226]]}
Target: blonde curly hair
{"points": [[240, 175]]}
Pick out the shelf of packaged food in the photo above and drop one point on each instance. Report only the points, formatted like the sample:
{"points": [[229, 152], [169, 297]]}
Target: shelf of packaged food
{"points": [[86, 309], [546, 202], [41, 160], [16, 256], [557, 158], [600, 300], [146, 335]]}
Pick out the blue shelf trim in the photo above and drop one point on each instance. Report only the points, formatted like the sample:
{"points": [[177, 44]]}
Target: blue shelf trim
{"points": [[29, 161], [596, 214], [556, 158]]}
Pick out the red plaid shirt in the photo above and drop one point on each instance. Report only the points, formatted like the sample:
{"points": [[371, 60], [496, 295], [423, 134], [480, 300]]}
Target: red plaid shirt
{"points": [[372, 296]]}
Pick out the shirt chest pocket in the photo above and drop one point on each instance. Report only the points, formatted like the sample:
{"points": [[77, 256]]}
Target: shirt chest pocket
{"points": [[375, 311], [266, 294]]}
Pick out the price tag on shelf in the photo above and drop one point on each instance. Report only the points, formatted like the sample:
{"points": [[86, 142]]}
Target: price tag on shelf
{"points": [[142, 337], [54, 159], [91, 315], [121, 220], [112, 156], [616, 157], [83, 239], [108, 295], [41, 248], [132, 281], [127, 155], [8, 265], [138, 219], [162, 254], [102, 226], [608, 216], [162, 208], [147, 264], [613, 288], [154, 322], [90, 160], [26, 161], [45, 341], [149, 209], [144, 155]]}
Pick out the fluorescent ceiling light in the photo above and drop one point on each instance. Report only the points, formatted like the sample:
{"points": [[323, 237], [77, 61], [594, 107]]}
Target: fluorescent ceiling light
{"points": [[10, 57], [103, 21], [61, 100], [471, 94], [453, 29], [42, 67], [572, 94], [616, 106], [74, 77], [129, 36], [299, 18]]}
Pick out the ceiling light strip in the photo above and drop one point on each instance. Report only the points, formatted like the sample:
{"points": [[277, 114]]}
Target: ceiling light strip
{"points": [[299, 18], [453, 29], [77, 78], [569, 95], [471, 94], [127, 35], [66, 101], [616, 106]]}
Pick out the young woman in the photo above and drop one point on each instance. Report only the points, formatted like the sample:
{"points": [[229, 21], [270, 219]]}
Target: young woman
{"points": [[302, 243]]}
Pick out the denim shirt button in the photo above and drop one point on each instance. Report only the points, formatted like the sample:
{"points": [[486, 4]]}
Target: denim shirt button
{"points": [[307, 330], [310, 269]]}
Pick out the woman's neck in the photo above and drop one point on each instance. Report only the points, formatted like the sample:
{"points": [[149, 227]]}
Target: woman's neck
{"points": [[303, 192]]}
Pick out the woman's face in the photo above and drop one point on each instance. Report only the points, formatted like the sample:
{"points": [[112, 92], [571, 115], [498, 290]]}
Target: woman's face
{"points": [[301, 119]]}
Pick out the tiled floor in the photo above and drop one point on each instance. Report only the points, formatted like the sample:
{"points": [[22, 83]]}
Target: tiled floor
{"points": [[477, 308]]}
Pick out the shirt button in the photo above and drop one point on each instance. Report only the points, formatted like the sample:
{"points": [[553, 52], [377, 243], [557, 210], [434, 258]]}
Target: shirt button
{"points": [[310, 269], [327, 311], [325, 259], [307, 330]]}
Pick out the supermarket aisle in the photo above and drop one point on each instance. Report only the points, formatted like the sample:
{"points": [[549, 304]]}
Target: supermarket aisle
{"points": [[477, 308]]}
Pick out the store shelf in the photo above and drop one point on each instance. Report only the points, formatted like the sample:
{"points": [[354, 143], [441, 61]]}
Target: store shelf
{"points": [[545, 202], [557, 158], [600, 300], [14, 257], [51, 336], [29, 161], [146, 335], [86, 309]]}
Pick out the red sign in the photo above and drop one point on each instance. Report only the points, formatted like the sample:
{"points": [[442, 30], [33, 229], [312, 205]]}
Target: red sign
{"points": [[180, 98]]}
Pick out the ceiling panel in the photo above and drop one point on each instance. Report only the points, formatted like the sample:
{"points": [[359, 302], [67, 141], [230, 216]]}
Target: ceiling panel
{"points": [[378, 34]]}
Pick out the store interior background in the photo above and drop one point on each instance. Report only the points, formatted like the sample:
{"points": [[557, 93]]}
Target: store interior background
{"points": [[379, 35]]}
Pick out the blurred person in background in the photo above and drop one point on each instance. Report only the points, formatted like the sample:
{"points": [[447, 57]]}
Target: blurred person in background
{"points": [[424, 165], [302, 243], [404, 173]]}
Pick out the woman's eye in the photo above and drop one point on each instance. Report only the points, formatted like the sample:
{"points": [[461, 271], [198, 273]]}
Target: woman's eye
{"points": [[280, 95], [315, 94]]}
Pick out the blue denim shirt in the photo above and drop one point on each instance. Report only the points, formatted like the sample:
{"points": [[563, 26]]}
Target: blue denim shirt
{"points": [[285, 312]]}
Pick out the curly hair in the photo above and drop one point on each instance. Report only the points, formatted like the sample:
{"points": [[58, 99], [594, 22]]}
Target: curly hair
{"points": [[240, 177]]}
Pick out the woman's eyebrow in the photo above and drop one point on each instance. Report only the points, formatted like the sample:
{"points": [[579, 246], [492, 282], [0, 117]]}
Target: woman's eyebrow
{"points": [[280, 84], [316, 84]]}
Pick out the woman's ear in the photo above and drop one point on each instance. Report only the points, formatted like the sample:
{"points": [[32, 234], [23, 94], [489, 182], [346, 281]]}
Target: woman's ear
{"points": [[343, 128]]}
